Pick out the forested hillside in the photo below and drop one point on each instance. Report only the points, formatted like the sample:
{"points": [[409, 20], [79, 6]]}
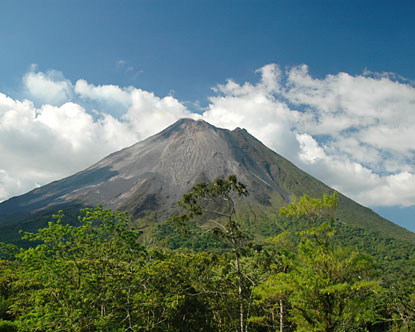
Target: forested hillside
{"points": [[105, 275]]}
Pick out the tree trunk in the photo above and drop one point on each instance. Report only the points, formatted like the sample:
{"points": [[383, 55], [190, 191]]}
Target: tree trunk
{"points": [[240, 295]]}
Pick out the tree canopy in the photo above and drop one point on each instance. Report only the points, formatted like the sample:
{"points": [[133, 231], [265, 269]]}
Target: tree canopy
{"points": [[98, 275]]}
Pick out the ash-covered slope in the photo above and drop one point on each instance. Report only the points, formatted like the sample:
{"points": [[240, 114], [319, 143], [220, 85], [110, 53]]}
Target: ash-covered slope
{"points": [[152, 175]]}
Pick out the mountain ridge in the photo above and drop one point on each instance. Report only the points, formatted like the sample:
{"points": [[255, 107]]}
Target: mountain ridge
{"points": [[151, 176]]}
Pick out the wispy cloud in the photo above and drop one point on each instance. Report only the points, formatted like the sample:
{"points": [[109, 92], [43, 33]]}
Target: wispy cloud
{"points": [[120, 63], [126, 68]]}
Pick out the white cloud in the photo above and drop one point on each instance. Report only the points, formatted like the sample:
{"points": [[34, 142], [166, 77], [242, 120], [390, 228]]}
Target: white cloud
{"points": [[51, 87], [355, 133], [255, 108], [367, 122], [379, 111], [270, 77], [150, 114], [363, 184], [38, 145], [399, 137], [45, 143], [311, 152], [121, 63], [396, 189], [144, 112], [126, 68], [104, 93], [8, 186]]}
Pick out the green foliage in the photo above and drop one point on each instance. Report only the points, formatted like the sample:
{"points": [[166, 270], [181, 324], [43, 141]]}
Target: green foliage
{"points": [[170, 299], [332, 288], [165, 235], [96, 276], [78, 276], [8, 251], [8, 326], [216, 201], [400, 300], [7, 277], [313, 209], [396, 259], [323, 287]]}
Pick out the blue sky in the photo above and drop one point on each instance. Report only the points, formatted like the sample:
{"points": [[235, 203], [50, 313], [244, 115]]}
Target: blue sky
{"points": [[328, 84]]}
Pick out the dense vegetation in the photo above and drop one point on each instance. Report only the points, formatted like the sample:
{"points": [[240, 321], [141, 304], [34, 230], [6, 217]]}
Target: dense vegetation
{"points": [[100, 276]]}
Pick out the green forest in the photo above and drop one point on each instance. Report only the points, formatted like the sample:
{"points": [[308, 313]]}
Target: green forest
{"points": [[203, 269]]}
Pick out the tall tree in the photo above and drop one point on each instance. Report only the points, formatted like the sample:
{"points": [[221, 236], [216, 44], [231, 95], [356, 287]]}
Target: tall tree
{"points": [[171, 298], [216, 202], [332, 288], [329, 288]]}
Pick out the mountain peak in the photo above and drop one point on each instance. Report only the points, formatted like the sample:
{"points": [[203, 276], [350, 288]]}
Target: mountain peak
{"points": [[152, 175], [186, 125]]}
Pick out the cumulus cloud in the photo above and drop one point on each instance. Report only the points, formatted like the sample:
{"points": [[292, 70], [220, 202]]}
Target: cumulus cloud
{"points": [[366, 122], [150, 114], [145, 112], [103, 93], [310, 151], [381, 110], [256, 108], [50, 87], [39, 144], [355, 133]]}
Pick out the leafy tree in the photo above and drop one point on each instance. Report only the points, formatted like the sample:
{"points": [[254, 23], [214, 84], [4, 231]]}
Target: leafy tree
{"points": [[332, 288], [314, 210], [97, 277], [216, 201], [8, 251], [7, 277], [329, 288], [172, 298], [271, 296], [79, 278], [400, 299], [8, 326]]}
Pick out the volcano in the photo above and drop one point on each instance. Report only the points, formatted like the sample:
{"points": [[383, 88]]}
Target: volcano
{"points": [[150, 176]]}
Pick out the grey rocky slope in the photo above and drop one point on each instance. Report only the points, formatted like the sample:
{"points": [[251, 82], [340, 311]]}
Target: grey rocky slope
{"points": [[153, 174]]}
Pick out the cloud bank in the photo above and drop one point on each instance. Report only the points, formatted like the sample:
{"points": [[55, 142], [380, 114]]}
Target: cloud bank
{"points": [[355, 133]]}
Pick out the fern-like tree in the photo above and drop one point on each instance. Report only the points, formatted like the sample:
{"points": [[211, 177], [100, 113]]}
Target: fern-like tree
{"points": [[329, 288]]}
